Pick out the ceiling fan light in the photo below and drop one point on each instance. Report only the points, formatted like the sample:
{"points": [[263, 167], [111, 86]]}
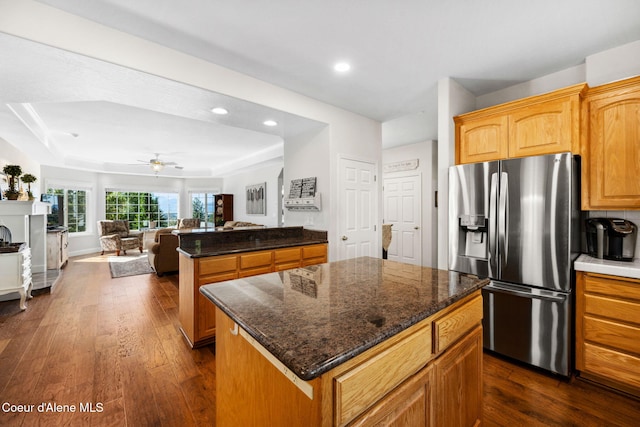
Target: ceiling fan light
{"points": [[156, 166]]}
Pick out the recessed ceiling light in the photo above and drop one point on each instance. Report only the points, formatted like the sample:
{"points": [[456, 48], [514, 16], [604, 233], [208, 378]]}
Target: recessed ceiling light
{"points": [[342, 67], [270, 123], [219, 110]]}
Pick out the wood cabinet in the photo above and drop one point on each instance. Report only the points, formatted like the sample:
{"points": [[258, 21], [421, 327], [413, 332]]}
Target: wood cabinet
{"points": [[536, 125], [612, 130], [406, 380], [608, 330], [57, 249], [223, 209], [197, 314]]}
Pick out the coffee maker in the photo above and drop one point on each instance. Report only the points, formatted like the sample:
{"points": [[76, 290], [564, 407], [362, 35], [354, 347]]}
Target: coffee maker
{"points": [[611, 238]]}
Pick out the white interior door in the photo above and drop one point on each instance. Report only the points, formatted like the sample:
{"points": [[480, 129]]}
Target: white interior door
{"points": [[357, 210], [402, 209]]}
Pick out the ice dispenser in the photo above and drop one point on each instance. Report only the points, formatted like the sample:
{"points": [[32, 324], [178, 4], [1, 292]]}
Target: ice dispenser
{"points": [[473, 229]]}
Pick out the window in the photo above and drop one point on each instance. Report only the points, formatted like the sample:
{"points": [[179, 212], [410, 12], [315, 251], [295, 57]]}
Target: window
{"points": [[140, 208], [74, 208], [202, 207]]}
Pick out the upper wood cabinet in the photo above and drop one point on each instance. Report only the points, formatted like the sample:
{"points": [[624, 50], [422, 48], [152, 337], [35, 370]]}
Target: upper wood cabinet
{"points": [[612, 135], [541, 124]]}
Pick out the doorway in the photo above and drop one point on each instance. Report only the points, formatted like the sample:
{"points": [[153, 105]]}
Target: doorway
{"points": [[357, 209], [402, 209]]}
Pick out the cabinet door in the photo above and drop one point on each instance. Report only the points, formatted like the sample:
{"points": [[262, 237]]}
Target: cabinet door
{"points": [[458, 376], [614, 147], [544, 128], [411, 404], [482, 139]]}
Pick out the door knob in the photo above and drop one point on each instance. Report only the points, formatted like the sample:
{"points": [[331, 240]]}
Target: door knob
{"points": [[344, 237], [416, 228]]}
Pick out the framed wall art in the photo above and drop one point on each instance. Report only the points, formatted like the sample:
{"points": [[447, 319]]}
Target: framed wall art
{"points": [[256, 199]]}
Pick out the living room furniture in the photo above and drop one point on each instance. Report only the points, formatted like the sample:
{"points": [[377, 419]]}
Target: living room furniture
{"points": [[223, 208], [163, 256], [15, 274], [57, 248], [116, 236]]}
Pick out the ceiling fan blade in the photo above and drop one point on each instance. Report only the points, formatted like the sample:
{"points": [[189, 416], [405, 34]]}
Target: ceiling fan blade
{"points": [[169, 163], [179, 167]]}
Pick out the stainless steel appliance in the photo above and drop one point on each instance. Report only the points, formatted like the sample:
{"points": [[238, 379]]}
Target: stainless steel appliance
{"points": [[516, 221], [611, 238]]}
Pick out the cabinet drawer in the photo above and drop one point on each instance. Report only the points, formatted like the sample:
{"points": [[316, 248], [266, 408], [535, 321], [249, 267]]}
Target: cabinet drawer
{"points": [[447, 329], [359, 388], [612, 334], [626, 311], [287, 255], [612, 364], [218, 265], [617, 287], [255, 260], [314, 251]]}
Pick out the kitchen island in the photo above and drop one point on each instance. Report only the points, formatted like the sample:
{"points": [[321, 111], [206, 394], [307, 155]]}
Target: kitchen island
{"points": [[358, 342], [213, 255]]}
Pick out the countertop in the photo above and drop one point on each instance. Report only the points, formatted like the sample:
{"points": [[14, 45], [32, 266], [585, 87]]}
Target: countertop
{"points": [[315, 318], [198, 243], [604, 266]]}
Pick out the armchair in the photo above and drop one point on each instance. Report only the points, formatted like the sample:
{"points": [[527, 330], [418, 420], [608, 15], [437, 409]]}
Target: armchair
{"points": [[116, 236]]}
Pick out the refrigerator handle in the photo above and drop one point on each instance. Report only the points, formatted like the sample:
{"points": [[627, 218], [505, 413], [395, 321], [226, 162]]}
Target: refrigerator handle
{"points": [[503, 217], [493, 202]]}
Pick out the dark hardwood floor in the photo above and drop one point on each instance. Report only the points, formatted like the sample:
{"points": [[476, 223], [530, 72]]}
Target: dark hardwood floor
{"points": [[115, 344]]}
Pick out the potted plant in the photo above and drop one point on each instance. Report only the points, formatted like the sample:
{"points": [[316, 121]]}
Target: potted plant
{"points": [[28, 179], [13, 173]]}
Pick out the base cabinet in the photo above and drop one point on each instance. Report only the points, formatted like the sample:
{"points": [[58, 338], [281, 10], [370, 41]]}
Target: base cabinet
{"points": [[408, 380], [57, 249], [197, 314], [608, 330]]}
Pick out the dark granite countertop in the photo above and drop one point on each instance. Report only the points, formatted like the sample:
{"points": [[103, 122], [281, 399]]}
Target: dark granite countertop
{"points": [[315, 318], [198, 243]]}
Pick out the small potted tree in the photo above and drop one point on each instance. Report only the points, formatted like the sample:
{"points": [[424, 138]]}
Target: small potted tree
{"points": [[13, 173], [28, 179]]}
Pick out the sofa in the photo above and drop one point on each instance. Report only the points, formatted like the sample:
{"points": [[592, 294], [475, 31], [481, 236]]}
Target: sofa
{"points": [[116, 236], [163, 254]]}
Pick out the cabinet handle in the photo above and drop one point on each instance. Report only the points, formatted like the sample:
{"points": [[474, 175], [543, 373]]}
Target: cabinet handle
{"points": [[234, 331]]}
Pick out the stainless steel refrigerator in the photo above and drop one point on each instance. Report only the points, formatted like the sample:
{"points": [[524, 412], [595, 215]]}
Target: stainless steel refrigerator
{"points": [[516, 221]]}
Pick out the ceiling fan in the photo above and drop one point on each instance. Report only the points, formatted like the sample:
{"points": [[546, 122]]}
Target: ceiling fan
{"points": [[157, 165]]}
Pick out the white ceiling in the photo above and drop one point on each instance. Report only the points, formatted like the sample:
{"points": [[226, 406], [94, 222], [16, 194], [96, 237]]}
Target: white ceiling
{"points": [[398, 51]]}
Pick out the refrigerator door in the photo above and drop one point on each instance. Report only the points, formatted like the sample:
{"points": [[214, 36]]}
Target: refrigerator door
{"points": [[472, 243], [534, 221], [528, 324]]}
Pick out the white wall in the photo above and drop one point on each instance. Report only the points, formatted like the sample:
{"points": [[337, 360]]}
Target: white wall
{"points": [[426, 153], [453, 99], [236, 185], [350, 134], [306, 157]]}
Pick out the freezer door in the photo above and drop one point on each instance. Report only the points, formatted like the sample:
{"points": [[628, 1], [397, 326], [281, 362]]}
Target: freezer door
{"points": [[534, 221], [528, 324], [472, 244]]}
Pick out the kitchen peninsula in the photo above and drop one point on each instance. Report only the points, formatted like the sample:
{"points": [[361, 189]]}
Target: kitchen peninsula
{"points": [[214, 255], [358, 342]]}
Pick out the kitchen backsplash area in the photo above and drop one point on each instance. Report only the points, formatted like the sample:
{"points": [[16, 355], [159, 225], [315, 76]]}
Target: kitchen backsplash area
{"points": [[633, 216]]}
